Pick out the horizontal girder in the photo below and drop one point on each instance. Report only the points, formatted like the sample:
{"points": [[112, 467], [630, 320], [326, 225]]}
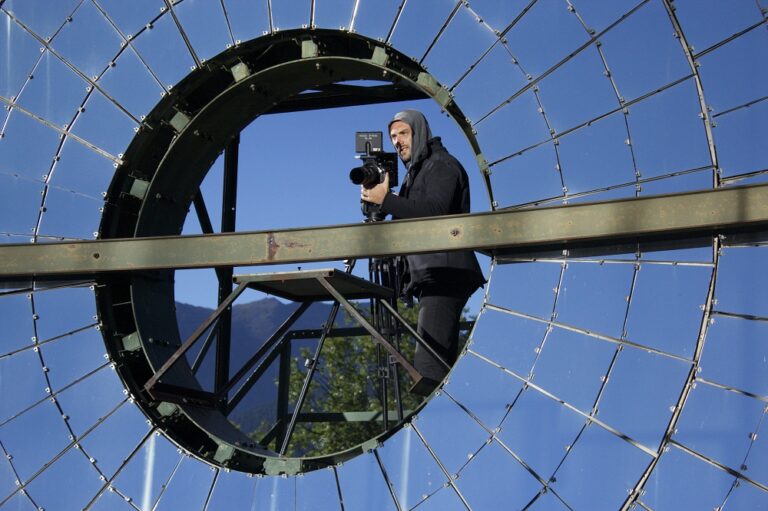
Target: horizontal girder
{"points": [[684, 219]]}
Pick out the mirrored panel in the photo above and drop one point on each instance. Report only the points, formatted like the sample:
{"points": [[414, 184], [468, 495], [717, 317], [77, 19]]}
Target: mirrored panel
{"points": [[576, 367]]}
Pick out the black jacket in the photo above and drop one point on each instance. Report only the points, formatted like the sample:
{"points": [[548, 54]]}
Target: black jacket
{"points": [[436, 185]]}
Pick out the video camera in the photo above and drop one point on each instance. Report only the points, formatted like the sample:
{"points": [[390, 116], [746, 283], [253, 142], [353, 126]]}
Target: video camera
{"points": [[376, 164]]}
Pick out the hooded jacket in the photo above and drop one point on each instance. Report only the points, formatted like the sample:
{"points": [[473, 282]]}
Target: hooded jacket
{"points": [[436, 184]]}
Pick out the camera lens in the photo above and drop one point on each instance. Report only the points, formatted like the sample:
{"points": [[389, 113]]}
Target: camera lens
{"points": [[364, 175]]}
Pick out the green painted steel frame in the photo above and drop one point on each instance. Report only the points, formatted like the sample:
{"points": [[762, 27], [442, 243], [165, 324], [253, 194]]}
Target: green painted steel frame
{"points": [[158, 180], [679, 220]]}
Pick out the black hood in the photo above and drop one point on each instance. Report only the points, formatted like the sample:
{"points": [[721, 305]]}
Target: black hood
{"points": [[421, 133]]}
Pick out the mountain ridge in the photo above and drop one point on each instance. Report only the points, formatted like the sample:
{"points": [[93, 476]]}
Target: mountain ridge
{"points": [[252, 324]]}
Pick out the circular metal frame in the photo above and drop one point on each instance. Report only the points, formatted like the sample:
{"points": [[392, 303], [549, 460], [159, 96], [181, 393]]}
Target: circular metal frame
{"points": [[162, 170]]}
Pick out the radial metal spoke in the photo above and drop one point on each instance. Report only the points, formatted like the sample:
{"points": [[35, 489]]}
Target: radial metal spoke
{"points": [[566, 197], [387, 481], [602, 262], [55, 395], [338, 487], [229, 24], [37, 344], [128, 42], [78, 72], [493, 435], [729, 39], [735, 390], [589, 416], [718, 465], [167, 483], [750, 317], [590, 122], [454, 11], [637, 491], [68, 448], [739, 107], [532, 83], [449, 478], [589, 333], [353, 18], [396, 20], [499, 37], [61, 131], [216, 474], [311, 13], [183, 34], [119, 470]]}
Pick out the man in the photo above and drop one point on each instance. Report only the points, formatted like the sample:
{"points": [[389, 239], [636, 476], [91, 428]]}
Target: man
{"points": [[435, 184]]}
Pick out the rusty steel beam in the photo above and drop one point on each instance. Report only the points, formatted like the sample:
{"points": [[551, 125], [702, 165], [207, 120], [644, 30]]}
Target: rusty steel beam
{"points": [[682, 220]]}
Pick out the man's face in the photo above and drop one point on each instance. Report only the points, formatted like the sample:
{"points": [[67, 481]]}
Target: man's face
{"points": [[402, 136]]}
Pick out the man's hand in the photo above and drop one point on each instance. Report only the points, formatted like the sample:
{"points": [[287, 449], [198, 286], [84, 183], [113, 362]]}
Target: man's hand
{"points": [[376, 194]]}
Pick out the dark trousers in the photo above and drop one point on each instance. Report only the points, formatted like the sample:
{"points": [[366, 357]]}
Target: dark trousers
{"points": [[440, 309]]}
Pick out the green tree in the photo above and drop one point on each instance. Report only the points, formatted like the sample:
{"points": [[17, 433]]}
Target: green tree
{"points": [[348, 378]]}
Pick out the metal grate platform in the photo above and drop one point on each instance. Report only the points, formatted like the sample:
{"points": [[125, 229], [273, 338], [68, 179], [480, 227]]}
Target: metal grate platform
{"points": [[304, 285]]}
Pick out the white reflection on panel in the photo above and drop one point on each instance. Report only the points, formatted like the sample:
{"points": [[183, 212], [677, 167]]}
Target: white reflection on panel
{"points": [[88, 42], [45, 22], [54, 92], [363, 486], [453, 451], [189, 486], [376, 19], [317, 491]]}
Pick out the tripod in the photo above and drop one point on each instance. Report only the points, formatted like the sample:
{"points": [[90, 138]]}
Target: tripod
{"points": [[383, 272]]}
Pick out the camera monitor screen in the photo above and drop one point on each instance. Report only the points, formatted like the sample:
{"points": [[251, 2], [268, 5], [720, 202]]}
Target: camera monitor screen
{"points": [[372, 137]]}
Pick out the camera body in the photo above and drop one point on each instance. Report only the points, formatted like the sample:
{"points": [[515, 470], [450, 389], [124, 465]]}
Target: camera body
{"points": [[377, 164]]}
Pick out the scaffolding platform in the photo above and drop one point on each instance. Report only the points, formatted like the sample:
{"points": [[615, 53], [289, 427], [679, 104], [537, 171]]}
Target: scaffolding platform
{"points": [[302, 286], [305, 285]]}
